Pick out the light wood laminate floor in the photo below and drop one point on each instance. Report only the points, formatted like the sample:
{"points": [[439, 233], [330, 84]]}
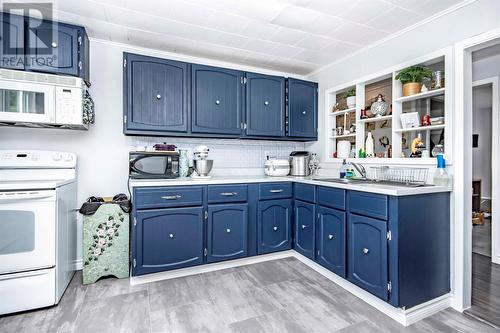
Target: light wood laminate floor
{"points": [[275, 296]]}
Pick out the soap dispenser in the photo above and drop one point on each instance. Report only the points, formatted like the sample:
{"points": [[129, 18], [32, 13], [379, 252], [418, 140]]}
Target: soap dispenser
{"points": [[441, 177]]}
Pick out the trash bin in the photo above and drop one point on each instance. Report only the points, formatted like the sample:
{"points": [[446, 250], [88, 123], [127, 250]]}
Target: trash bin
{"points": [[105, 238]]}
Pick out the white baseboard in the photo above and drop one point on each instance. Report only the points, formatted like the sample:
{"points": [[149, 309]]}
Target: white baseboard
{"points": [[495, 259], [78, 264], [134, 280], [402, 316]]}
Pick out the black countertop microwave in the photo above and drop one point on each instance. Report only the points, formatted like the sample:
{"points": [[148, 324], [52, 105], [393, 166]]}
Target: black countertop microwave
{"points": [[153, 164]]}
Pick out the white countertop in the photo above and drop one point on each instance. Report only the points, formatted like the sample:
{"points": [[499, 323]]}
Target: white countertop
{"points": [[372, 188]]}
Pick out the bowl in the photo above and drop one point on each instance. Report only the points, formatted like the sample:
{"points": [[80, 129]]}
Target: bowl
{"points": [[203, 167]]}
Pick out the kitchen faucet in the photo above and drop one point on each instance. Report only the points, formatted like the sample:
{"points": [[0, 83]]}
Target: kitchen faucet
{"points": [[360, 169]]}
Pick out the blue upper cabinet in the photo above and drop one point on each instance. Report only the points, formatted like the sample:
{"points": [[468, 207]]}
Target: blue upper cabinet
{"points": [[52, 47], [12, 41], [227, 232], [304, 227], [216, 102], [156, 94], [274, 219], [265, 105], [368, 254], [167, 239], [331, 242], [44, 46], [302, 109]]}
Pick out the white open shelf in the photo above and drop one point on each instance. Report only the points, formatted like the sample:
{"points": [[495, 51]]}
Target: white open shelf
{"points": [[421, 128], [437, 103], [374, 119], [422, 95]]}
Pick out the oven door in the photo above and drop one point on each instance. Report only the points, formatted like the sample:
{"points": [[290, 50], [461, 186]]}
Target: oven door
{"points": [[26, 102], [27, 224]]}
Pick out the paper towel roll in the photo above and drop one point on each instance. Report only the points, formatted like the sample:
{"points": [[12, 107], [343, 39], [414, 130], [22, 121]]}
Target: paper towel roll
{"points": [[343, 149]]}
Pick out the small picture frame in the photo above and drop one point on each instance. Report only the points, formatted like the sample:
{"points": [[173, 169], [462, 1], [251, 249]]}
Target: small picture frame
{"points": [[410, 120]]}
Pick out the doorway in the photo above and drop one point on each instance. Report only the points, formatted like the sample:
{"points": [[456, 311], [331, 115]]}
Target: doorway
{"points": [[485, 279]]}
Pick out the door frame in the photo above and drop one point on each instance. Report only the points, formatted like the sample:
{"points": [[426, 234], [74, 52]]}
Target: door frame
{"points": [[495, 163], [461, 264]]}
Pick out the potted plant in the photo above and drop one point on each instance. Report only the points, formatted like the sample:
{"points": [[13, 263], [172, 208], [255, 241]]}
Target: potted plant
{"points": [[350, 98], [412, 77]]}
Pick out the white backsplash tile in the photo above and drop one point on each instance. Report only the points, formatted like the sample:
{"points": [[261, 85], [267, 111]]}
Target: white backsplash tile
{"points": [[231, 157]]}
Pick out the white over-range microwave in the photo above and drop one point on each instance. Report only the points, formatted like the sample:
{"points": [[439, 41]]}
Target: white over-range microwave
{"points": [[36, 99]]}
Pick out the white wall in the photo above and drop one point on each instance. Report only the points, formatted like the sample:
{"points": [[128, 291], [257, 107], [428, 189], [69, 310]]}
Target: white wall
{"points": [[444, 31], [103, 149]]}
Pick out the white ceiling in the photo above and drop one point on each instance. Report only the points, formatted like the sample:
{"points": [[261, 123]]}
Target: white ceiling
{"points": [[294, 36]]}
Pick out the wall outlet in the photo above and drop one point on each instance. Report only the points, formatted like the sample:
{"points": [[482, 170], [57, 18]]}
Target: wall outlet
{"points": [[267, 155]]}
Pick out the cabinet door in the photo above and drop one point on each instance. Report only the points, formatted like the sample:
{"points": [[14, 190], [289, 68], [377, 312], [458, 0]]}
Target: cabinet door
{"points": [[52, 47], [265, 105], [303, 109], [156, 94], [304, 227], [274, 225], [12, 41], [367, 256], [216, 100], [167, 239], [331, 233], [227, 232]]}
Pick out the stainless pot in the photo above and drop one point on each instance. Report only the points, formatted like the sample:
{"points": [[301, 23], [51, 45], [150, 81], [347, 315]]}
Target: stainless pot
{"points": [[299, 163], [203, 167]]}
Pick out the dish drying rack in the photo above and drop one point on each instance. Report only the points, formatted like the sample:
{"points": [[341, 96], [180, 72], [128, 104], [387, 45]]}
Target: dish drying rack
{"points": [[407, 176]]}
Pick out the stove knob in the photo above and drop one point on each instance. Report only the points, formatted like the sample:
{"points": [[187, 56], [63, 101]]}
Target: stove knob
{"points": [[68, 157], [57, 156]]}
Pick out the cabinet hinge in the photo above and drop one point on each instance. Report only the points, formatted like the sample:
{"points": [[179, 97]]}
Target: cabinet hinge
{"points": [[389, 286], [206, 215], [134, 262], [80, 65], [205, 252], [244, 80], [244, 126], [241, 125], [135, 221], [124, 119], [79, 40], [389, 235], [124, 62]]}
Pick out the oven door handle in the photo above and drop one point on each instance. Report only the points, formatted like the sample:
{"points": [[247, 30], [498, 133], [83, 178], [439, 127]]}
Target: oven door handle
{"points": [[14, 196]]}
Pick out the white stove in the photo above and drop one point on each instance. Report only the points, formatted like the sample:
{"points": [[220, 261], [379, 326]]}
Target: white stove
{"points": [[38, 223]]}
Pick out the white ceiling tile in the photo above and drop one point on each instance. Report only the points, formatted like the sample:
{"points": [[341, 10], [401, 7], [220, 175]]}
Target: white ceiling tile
{"points": [[359, 34], [296, 36], [313, 43]]}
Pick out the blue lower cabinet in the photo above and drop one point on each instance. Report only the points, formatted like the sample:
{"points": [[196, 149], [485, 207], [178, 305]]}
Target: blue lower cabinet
{"points": [[367, 254], [227, 232], [167, 239], [304, 226], [274, 219], [331, 239]]}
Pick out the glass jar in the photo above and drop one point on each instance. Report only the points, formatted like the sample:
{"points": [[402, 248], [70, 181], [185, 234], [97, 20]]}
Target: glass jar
{"points": [[183, 163]]}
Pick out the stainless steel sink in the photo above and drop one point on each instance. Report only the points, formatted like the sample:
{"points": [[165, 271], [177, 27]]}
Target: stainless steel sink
{"points": [[369, 181]]}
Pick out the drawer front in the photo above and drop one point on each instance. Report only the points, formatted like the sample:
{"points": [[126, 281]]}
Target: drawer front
{"points": [[275, 191], [331, 197], [368, 204], [227, 193], [172, 196], [305, 192]]}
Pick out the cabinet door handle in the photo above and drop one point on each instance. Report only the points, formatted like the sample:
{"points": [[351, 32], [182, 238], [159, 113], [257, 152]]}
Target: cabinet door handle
{"points": [[171, 236], [304, 226], [54, 44], [228, 194], [266, 103], [365, 251], [275, 228], [228, 230], [276, 190], [171, 197], [217, 102], [304, 112], [158, 96], [330, 236]]}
